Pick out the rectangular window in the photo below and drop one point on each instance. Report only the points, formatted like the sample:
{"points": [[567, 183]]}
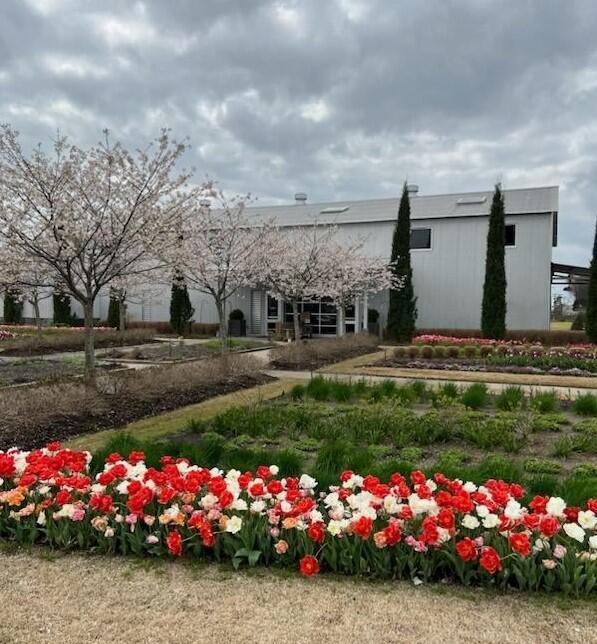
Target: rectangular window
{"points": [[420, 238], [510, 235], [554, 232]]}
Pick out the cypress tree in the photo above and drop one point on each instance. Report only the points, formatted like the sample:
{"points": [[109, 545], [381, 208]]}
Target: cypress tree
{"points": [[402, 313], [181, 310], [13, 307], [114, 311], [61, 305], [591, 317], [493, 312]]}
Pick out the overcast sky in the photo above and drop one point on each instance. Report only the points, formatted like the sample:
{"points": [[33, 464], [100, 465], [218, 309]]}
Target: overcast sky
{"points": [[337, 98]]}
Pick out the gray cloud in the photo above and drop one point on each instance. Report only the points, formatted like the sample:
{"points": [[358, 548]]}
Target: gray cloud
{"points": [[343, 98]]}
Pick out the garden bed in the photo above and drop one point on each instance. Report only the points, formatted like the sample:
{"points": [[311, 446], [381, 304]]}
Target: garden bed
{"points": [[59, 339], [329, 426], [309, 355], [38, 370], [33, 415], [402, 526], [180, 351]]}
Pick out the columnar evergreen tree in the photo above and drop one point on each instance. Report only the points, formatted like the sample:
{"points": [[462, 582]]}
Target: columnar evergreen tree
{"points": [[402, 314], [114, 310], [493, 313], [13, 307], [181, 311], [61, 304], [591, 317]]}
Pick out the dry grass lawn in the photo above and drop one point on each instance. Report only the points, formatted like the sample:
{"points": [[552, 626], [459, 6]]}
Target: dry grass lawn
{"points": [[75, 599]]}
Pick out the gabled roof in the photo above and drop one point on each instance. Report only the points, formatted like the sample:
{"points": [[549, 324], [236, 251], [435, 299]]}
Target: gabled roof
{"points": [[518, 201]]}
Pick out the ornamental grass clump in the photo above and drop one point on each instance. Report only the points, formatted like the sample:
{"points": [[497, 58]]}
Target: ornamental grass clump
{"points": [[405, 525], [585, 405], [545, 402], [510, 399], [476, 396]]}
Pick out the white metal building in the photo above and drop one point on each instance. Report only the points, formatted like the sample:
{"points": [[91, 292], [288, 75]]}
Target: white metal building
{"points": [[448, 246]]}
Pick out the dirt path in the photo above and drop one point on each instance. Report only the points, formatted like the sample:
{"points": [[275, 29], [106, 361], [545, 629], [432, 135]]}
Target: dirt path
{"points": [[75, 600]]}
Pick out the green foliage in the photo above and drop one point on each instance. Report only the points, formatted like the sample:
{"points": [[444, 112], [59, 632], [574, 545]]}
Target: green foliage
{"points": [[591, 316], [452, 458], [61, 306], [475, 396], [493, 313], [411, 454], [545, 402], [114, 312], [181, 311], [13, 307], [548, 422], [402, 313], [537, 465], [298, 392], [510, 398], [578, 324], [585, 405]]}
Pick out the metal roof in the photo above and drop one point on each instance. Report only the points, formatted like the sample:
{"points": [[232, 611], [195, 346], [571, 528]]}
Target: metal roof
{"points": [[518, 201]]}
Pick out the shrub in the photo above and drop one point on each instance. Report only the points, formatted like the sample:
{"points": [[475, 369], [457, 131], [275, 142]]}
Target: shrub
{"points": [[427, 352], [500, 467], [545, 401], [586, 470], [548, 423], [578, 324], [475, 396], [486, 350], [411, 454], [400, 352], [413, 352], [439, 352], [469, 351], [341, 391], [585, 405], [536, 465], [452, 352], [510, 398], [452, 458]]}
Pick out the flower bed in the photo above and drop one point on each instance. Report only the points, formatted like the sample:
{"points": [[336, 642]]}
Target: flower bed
{"points": [[5, 334], [415, 528], [434, 339]]}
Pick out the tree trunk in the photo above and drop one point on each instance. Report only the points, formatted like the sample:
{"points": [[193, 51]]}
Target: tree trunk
{"points": [[122, 315], [296, 320], [223, 329], [35, 302], [89, 342], [340, 321]]}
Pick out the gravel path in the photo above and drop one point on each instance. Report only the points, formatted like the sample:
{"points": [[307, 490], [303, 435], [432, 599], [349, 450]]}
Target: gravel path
{"points": [[74, 599]]}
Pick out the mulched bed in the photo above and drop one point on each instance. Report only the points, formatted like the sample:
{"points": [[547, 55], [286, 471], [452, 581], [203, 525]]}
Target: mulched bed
{"points": [[122, 409], [312, 361], [475, 366]]}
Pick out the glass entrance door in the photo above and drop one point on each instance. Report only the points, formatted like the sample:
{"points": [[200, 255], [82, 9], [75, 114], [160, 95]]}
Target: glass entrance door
{"points": [[322, 314]]}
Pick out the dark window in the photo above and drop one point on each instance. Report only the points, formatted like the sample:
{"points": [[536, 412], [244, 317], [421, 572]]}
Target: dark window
{"points": [[554, 240], [420, 238], [272, 307], [510, 235]]}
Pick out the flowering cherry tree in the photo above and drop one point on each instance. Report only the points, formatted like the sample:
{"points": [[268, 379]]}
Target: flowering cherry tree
{"points": [[219, 249], [91, 217], [27, 277], [353, 277], [302, 262]]}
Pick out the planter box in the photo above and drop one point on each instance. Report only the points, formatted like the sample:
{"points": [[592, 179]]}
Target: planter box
{"points": [[237, 328]]}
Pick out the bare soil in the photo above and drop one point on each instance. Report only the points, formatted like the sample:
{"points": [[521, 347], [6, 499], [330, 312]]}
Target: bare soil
{"points": [[76, 599], [116, 410]]}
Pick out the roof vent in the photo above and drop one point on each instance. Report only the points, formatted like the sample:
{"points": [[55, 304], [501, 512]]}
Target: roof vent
{"points": [[300, 197], [333, 210], [412, 189], [465, 201]]}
